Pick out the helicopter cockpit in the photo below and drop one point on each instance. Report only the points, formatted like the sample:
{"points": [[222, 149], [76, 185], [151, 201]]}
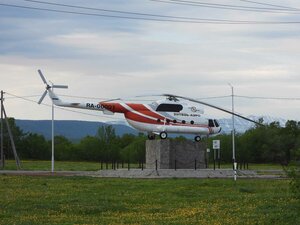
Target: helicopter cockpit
{"points": [[213, 123]]}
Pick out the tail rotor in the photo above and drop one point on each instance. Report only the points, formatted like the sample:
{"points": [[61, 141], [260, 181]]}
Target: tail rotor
{"points": [[48, 87]]}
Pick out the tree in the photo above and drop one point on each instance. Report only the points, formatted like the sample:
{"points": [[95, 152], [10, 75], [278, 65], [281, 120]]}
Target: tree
{"points": [[135, 151], [109, 143], [35, 146], [64, 149], [88, 149], [291, 136], [17, 134]]}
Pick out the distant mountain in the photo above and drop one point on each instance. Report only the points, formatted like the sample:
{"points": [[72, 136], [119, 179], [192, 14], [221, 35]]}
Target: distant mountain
{"points": [[242, 125], [75, 130]]}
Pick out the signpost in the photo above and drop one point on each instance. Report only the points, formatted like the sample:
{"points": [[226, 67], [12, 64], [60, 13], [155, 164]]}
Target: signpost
{"points": [[207, 157], [216, 147]]}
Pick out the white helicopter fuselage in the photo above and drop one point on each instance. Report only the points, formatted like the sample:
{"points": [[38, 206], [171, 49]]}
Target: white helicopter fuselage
{"points": [[175, 114], [190, 120], [164, 116]]}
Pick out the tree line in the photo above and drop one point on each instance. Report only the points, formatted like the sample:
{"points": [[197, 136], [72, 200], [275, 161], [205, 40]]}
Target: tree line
{"points": [[270, 143], [105, 145], [260, 144]]}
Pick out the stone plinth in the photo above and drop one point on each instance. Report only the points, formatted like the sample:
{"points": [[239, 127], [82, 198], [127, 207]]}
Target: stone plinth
{"points": [[170, 153]]}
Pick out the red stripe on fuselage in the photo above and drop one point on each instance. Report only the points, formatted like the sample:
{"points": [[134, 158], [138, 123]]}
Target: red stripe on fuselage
{"points": [[139, 118], [140, 108], [114, 107], [144, 110]]}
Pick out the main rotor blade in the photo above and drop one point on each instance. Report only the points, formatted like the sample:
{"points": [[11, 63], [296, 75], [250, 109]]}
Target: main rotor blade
{"points": [[111, 100], [42, 76], [59, 86], [43, 96], [212, 106]]}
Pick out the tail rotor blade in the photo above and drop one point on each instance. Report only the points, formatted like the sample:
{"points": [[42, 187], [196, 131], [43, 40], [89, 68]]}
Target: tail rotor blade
{"points": [[42, 76], [42, 98], [60, 86]]}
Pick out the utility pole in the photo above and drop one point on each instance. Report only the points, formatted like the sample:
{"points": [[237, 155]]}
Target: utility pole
{"points": [[52, 140], [3, 114], [233, 132], [2, 163]]}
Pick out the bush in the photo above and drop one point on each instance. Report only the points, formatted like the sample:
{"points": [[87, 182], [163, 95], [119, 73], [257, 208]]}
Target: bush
{"points": [[293, 172]]}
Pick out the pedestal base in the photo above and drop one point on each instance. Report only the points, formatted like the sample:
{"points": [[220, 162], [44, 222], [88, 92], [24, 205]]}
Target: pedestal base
{"points": [[173, 154]]}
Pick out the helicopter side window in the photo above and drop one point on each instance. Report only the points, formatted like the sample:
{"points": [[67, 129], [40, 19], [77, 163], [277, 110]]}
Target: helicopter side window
{"points": [[216, 123], [211, 123], [169, 108]]}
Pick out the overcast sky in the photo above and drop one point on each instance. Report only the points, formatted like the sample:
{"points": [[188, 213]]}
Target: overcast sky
{"points": [[110, 57]]}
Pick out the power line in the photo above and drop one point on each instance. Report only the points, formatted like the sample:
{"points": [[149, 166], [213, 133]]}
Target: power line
{"points": [[214, 97], [156, 15], [192, 21], [260, 3], [266, 98], [125, 99], [229, 7], [117, 11], [26, 96], [69, 110], [212, 21]]}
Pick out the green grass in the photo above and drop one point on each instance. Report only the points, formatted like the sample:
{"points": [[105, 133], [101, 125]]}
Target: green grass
{"points": [[85, 200], [61, 165], [94, 166], [252, 166]]}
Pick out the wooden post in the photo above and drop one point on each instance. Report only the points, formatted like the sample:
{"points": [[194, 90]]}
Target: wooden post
{"points": [[1, 137], [11, 140]]}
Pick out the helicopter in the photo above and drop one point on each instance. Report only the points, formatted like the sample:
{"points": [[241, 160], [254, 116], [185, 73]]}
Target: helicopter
{"points": [[173, 114]]}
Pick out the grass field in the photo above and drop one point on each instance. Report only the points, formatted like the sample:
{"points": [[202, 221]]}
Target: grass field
{"points": [[94, 166], [85, 200], [61, 165]]}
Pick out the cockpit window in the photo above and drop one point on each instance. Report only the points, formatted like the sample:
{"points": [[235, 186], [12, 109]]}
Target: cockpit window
{"points": [[169, 108], [211, 123], [216, 123]]}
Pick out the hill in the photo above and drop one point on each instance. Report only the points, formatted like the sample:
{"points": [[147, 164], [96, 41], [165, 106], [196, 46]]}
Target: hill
{"points": [[72, 129], [75, 130]]}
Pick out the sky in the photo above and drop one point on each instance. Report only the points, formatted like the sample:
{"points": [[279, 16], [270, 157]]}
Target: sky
{"points": [[109, 57]]}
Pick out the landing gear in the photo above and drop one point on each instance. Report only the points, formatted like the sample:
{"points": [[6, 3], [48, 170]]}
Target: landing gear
{"points": [[151, 136], [197, 138], [163, 135]]}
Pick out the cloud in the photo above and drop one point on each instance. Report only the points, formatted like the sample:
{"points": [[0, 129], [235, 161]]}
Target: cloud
{"points": [[111, 57]]}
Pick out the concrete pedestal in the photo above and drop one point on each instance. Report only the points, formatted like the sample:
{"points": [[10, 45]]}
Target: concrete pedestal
{"points": [[168, 154]]}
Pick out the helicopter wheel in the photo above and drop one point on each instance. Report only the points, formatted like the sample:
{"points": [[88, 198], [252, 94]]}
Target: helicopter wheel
{"points": [[197, 138], [163, 135], [151, 136]]}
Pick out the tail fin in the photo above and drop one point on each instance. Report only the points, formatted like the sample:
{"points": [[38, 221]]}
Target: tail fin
{"points": [[55, 99]]}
